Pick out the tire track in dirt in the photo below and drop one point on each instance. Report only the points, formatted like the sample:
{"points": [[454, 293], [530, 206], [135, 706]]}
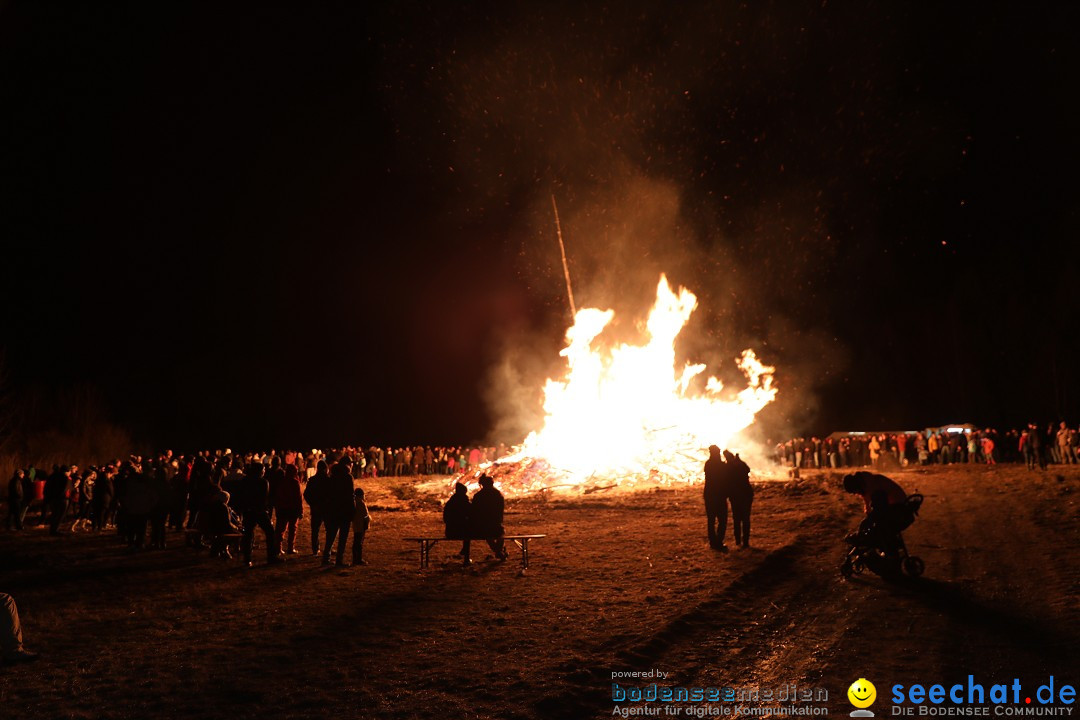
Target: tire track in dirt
{"points": [[978, 610], [775, 632], [993, 603]]}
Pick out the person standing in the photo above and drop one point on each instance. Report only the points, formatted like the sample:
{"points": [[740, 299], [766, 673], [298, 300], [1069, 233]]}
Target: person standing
{"points": [[15, 494], [103, 497], [360, 523], [288, 509], [253, 502], [179, 488], [199, 488], [57, 490], [340, 508], [274, 477], [137, 500], [716, 498], [85, 493], [488, 507], [875, 451], [159, 513], [1034, 450], [933, 445], [1063, 444], [742, 497], [315, 495]]}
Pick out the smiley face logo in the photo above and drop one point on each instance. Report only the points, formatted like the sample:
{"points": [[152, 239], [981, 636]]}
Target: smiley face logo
{"points": [[862, 693]]}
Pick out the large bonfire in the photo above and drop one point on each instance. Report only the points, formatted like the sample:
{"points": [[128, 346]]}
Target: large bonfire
{"points": [[626, 415]]}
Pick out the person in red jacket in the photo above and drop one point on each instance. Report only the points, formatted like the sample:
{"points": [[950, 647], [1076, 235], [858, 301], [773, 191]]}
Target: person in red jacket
{"points": [[288, 509]]}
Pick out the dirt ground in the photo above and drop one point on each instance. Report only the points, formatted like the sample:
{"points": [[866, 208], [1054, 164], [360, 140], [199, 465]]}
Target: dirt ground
{"points": [[623, 583]]}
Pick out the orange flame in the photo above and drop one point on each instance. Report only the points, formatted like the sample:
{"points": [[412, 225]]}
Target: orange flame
{"points": [[630, 411]]}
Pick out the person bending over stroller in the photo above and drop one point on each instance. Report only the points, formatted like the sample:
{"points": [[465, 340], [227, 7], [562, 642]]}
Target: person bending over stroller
{"points": [[885, 503]]}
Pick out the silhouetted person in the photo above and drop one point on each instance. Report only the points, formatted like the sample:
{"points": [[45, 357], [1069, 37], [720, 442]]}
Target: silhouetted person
{"points": [[179, 488], [486, 517], [361, 521], [57, 489], [1027, 447], [288, 508], [253, 502], [274, 477], [741, 496], [104, 494], [316, 495], [159, 514], [198, 488], [136, 503], [29, 487], [456, 513], [218, 520], [716, 497], [340, 508], [885, 504], [16, 491], [1035, 452]]}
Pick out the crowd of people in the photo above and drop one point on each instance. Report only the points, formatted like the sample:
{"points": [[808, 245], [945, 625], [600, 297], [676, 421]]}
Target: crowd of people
{"points": [[226, 493], [168, 485], [215, 497], [222, 496], [1035, 445], [216, 494], [420, 460]]}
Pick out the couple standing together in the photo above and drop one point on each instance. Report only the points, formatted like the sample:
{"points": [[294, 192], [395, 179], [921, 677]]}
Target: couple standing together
{"points": [[727, 478]]}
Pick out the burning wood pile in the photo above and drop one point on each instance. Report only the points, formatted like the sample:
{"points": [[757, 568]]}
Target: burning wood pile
{"points": [[625, 416], [520, 476]]}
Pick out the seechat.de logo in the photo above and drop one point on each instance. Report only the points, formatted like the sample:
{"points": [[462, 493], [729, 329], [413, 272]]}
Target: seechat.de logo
{"points": [[862, 694]]}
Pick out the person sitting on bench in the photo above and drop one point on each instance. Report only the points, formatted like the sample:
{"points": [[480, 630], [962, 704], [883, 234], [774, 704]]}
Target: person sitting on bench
{"points": [[456, 513], [219, 522], [487, 516]]}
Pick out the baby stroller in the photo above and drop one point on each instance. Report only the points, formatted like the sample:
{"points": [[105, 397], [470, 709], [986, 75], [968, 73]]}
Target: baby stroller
{"points": [[879, 546]]}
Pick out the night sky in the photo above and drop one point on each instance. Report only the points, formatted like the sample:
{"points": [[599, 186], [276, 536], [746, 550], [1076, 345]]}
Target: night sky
{"points": [[308, 224]]}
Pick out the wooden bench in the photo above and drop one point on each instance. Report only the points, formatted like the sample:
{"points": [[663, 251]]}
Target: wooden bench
{"points": [[426, 543]]}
